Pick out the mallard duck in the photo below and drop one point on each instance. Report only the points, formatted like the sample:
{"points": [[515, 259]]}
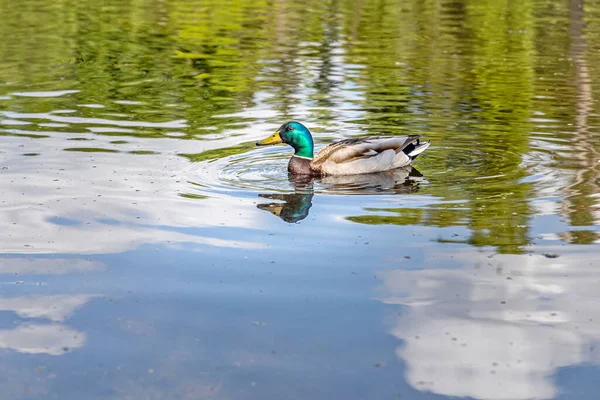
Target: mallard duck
{"points": [[346, 157]]}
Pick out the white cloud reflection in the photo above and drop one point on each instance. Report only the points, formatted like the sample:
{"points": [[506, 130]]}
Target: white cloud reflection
{"points": [[52, 339], [498, 328], [43, 338], [56, 308]]}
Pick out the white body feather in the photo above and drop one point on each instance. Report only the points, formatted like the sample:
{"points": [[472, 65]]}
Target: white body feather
{"points": [[383, 161], [368, 155]]}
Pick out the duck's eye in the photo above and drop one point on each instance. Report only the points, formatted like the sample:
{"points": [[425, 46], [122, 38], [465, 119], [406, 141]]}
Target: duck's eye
{"points": [[289, 129]]}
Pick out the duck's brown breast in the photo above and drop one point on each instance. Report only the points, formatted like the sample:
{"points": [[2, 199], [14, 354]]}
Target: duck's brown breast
{"points": [[300, 166]]}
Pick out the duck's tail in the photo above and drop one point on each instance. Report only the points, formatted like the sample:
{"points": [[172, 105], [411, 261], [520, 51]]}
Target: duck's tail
{"points": [[416, 148]]}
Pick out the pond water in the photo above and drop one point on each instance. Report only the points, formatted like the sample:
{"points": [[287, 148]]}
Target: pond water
{"points": [[149, 250]]}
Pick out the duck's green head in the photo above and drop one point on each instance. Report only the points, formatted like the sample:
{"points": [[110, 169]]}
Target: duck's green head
{"points": [[296, 135]]}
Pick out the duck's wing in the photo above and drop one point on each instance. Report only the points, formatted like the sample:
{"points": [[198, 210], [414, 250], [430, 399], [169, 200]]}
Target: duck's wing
{"points": [[367, 155]]}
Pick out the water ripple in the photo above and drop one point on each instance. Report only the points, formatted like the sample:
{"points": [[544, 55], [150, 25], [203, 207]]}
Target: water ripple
{"points": [[265, 170], [176, 124]]}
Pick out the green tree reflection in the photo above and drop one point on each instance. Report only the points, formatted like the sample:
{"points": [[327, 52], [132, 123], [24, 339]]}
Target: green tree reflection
{"points": [[473, 76]]}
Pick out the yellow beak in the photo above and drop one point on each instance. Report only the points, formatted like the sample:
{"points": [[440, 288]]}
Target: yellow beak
{"points": [[273, 139], [273, 208]]}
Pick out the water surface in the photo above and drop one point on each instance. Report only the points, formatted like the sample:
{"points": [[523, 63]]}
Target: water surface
{"points": [[149, 250]]}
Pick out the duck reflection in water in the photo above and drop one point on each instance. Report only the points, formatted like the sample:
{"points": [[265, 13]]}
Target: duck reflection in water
{"points": [[294, 207]]}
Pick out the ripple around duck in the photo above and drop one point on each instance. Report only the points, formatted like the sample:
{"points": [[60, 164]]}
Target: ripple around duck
{"points": [[265, 170]]}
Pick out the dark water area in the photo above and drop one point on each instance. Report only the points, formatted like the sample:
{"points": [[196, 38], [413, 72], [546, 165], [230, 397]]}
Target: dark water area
{"points": [[148, 249]]}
